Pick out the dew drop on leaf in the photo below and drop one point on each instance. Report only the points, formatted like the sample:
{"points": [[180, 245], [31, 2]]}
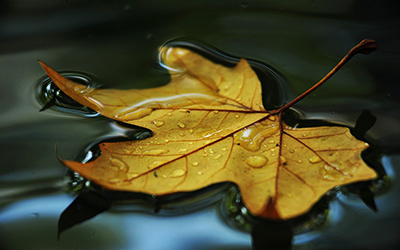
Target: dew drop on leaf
{"points": [[195, 163], [153, 164], [119, 164], [181, 125], [283, 160], [132, 175], [158, 123], [177, 173], [256, 161], [155, 152], [115, 181], [314, 159], [217, 156]]}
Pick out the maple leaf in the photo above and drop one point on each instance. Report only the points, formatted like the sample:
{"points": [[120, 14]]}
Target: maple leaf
{"points": [[209, 126]]}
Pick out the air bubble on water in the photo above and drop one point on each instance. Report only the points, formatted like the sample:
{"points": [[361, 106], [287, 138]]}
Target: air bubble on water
{"points": [[35, 215]]}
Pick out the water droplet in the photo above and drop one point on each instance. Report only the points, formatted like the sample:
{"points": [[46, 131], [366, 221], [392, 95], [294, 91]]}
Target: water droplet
{"points": [[195, 163], [182, 150], [291, 151], [115, 181], [299, 161], [216, 111], [132, 175], [314, 159], [272, 118], [304, 135], [140, 147], [190, 143], [182, 134], [119, 164], [169, 114], [35, 215], [153, 164], [166, 140], [283, 160], [155, 152], [158, 123], [224, 149], [191, 131], [238, 99], [184, 110], [199, 173], [181, 125], [217, 156], [236, 116], [211, 151], [272, 150], [213, 133], [177, 173], [253, 136], [256, 161], [271, 141]]}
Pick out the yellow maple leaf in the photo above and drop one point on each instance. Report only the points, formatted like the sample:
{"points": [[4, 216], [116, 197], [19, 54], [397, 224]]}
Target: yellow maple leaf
{"points": [[209, 126]]}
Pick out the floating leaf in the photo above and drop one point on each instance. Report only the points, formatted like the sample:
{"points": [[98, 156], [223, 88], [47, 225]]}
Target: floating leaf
{"points": [[209, 126]]}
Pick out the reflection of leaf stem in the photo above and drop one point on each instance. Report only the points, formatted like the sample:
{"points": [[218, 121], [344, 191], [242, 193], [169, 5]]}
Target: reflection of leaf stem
{"points": [[365, 46]]}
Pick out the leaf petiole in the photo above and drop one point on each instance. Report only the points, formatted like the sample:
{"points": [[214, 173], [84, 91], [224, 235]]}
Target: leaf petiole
{"points": [[366, 46]]}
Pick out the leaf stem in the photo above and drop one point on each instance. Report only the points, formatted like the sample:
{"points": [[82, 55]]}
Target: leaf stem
{"points": [[366, 46]]}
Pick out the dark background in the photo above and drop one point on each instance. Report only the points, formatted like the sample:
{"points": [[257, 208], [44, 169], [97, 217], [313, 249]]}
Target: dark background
{"points": [[116, 44]]}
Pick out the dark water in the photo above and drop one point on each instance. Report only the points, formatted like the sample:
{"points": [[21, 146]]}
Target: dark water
{"points": [[116, 45]]}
